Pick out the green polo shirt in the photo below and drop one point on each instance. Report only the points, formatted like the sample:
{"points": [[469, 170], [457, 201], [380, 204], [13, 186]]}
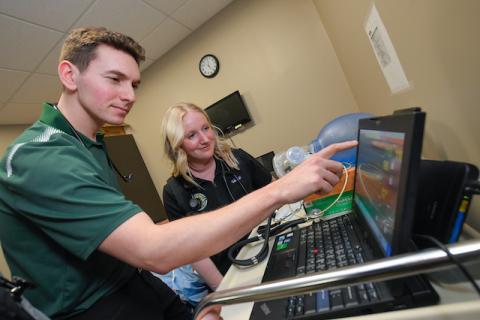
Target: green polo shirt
{"points": [[59, 199]]}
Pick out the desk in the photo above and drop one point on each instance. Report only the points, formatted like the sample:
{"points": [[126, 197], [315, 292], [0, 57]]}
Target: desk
{"points": [[458, 300]]}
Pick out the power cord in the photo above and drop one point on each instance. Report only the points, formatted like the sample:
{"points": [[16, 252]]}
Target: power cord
{"points": [[451, 257]]}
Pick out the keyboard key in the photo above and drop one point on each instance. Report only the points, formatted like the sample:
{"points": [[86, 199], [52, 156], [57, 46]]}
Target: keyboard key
{"points": [[336, 299], [359, 258], [300, 300], [362, 295], [350, 296], [310, 268], [323, 301], [299, 310], [310, 303], [372, 292], [290, 312], [300, 270], [300, 306]]}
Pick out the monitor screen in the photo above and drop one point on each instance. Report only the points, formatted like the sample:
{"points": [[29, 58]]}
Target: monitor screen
{"points": [[379, 163], [229, 113]]}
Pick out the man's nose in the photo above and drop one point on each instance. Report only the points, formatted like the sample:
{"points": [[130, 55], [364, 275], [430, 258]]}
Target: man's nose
{"points": [[128, 93]]}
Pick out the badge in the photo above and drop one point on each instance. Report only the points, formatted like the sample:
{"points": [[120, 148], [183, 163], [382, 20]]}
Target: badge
{"points": [[203, 200]]}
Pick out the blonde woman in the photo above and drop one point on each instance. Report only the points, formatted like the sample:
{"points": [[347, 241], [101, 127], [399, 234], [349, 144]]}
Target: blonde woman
{"points": [[207, 174]]}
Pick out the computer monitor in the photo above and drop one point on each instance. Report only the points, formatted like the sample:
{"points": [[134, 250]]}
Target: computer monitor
{"points": [[229, 113], [386, 178]]}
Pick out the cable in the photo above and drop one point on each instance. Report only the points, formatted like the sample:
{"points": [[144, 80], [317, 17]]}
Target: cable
{"points": [[223, 135], [269, 231], [225, 181], [235, 178], [264, 235], [126, 178], [322, 212], [290, 213], [231, 140], [259, 257], [452, 258]]}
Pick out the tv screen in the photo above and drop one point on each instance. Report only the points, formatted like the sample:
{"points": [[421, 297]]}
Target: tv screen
{"points": [[229, 113]]}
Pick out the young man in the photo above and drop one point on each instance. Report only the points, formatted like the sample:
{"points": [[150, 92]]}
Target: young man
{"points": [[64, 224]]}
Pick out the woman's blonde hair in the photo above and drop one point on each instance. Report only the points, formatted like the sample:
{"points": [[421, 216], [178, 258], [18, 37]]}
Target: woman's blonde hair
{"points": [[173, 135]]}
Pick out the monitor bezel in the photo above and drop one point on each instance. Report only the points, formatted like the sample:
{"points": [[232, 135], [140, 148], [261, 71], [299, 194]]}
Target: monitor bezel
{"points": [[412, 125], [233, 126]]}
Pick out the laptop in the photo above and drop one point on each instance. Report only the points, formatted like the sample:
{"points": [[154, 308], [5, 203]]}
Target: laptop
{"points": [[380, 225]]}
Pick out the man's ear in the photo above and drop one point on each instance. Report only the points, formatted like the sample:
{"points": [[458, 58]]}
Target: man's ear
{"points": [[68, 74]]}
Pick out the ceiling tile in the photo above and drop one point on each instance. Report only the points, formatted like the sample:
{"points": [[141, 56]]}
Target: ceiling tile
{"points": [[166, 6], [10, 80], [38, 89], [132, 17], [32, 32], [195, 13], [56, 14], [25, 44], [167, 35], [20, 113]]}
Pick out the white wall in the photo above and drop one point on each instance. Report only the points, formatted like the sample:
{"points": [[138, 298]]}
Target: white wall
{"points": [[437, 44], [276, 52]]}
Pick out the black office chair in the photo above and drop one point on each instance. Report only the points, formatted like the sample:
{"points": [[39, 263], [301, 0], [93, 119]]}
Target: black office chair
{"points": [[266, 160], [13, 306]]}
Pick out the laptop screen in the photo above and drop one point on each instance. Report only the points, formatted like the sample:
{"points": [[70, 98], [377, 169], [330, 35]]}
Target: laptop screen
{"points": [[377, 181]]}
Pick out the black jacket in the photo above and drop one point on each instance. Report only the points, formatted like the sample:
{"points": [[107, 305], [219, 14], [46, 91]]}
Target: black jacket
{"points": [[182, 199]]}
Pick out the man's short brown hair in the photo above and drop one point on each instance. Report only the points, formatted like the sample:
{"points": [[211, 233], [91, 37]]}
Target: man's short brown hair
{"points": [[79, 47]]}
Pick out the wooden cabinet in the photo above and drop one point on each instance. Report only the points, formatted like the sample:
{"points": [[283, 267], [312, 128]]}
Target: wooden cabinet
{"points": [[124, 153]]}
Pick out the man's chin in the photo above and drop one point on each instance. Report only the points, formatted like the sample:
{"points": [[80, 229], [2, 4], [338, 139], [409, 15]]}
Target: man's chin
{"points": [[119, 121]]}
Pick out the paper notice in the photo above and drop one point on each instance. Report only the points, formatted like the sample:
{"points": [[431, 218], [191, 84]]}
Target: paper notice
{"points": [[385, 52]]}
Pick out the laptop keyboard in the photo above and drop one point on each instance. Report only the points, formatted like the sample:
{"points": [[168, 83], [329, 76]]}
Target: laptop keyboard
{"points": [[327, 245], [324, 245]]}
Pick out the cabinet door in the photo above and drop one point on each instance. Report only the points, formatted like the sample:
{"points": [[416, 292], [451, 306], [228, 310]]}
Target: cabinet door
{"points": [[124, 153]]}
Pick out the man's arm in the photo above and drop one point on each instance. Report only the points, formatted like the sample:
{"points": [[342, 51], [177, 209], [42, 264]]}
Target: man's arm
{"points": [[160, 248]]}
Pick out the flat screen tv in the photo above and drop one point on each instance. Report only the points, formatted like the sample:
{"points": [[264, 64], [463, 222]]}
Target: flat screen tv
{"points": [[229, 113]]}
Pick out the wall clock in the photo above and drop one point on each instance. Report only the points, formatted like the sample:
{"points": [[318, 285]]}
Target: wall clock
{"points": [[209, 66]]}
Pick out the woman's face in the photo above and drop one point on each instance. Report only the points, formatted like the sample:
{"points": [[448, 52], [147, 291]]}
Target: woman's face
{"points": [[199, 139]]}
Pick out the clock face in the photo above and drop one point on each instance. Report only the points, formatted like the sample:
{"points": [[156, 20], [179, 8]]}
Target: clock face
{"points": [[209, 66]]}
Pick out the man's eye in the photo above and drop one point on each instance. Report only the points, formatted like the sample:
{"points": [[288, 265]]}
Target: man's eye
{"points": [[114, 79]]}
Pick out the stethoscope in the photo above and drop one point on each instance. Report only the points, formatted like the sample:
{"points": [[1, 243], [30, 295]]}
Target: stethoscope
{"points": [[198, 201], [126, 178]]}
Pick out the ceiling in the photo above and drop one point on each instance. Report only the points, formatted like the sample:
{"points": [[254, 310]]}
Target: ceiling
{"points": [[32, 32]]}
